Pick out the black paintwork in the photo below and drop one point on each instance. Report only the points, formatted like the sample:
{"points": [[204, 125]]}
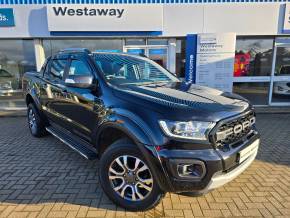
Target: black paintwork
{"points": [[135, 110]]}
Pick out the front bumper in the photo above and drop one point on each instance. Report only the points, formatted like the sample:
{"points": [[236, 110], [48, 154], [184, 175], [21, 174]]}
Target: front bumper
{"points": [[221, 178], [220, 168]]}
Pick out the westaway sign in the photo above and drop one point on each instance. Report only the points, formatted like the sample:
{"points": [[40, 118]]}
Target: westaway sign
{"points": [[65, 11], [104, 18]]}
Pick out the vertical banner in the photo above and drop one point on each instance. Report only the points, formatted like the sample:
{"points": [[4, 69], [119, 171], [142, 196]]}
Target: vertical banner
{"points": [[215, 60], [190, 64]]}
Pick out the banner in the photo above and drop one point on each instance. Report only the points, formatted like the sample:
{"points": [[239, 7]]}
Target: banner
{"points": [[190, 64]]}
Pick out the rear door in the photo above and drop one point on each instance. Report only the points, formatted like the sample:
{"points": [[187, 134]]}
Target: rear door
{"points": [[54, 90]]}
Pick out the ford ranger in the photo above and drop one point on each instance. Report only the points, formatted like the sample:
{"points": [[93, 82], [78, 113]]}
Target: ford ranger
{"points": [[152, 132]]}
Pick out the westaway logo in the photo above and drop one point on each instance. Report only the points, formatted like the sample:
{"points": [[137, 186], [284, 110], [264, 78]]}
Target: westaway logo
{"points": [[65, 11]]}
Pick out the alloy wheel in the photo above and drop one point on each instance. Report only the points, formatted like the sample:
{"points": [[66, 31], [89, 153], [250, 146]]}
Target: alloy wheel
{"points": [[32, 120], [130, 178]]}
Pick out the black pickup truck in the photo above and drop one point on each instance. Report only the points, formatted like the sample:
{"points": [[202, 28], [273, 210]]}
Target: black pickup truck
{"points": [[152, 132]]}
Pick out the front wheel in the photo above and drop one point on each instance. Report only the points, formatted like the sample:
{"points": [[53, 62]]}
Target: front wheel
{"points": [[36, 125], [127, 179]]}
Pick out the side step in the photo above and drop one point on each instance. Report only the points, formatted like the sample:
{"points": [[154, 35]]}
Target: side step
{"points": [[78, 145]]}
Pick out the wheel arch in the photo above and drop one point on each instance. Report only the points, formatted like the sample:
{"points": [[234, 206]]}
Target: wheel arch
{"points": [[31, 98], [110, 132], [137, 136]]}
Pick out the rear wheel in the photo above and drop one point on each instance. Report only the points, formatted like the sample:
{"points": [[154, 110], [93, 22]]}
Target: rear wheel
{"points": [[36, 125], [127, 179]]}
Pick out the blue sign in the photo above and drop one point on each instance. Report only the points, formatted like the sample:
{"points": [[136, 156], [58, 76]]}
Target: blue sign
{"points": [[6, 17], [190, 63], [157, 51], [109, 50], [136, 51]]}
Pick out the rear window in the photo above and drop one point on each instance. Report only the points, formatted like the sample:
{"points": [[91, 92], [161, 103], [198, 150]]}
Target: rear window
{"points": [[57, 68]]}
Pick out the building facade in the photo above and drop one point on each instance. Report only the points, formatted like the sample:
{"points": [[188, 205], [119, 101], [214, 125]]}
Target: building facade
{"points": [[31, 30]]}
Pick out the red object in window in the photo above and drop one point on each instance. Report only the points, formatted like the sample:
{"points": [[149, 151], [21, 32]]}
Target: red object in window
{"points": [[242, 64]]}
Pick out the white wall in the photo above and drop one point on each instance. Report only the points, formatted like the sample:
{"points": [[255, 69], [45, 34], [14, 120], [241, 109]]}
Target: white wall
{"points": [[242, 18]]}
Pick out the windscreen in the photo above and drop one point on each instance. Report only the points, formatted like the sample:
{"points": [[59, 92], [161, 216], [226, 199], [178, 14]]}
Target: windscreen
{"points": [[125, 69]]}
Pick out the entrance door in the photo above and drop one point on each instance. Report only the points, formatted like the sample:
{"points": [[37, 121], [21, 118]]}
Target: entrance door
{"points": [[159, 54], [280, 79]]}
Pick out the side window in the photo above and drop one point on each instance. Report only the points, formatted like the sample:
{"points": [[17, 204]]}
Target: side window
{"points": [[57, 68], [79, 68]]}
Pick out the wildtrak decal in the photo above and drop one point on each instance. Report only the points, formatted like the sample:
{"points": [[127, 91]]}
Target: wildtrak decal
{"points": [[65, 11]]}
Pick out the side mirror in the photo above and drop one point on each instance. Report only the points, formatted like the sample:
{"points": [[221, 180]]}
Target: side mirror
{"points": [[79, 81]]}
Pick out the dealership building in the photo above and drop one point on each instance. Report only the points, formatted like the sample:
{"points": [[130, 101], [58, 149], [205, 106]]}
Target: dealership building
{"points": [[31, 30]]}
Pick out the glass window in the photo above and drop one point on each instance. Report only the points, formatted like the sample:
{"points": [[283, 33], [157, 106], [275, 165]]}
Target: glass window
{"points": [[56, 45], [120, 69], [4, 73], [281, 92], [16, 57], [135, 42], [282, 67], [256, 92], [253, 57], [159, 55], [180, 57], [79, 68], [57, 68], [157, 42]]}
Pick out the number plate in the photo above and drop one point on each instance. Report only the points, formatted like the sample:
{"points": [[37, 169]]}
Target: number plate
{"points": [[245, 153]]}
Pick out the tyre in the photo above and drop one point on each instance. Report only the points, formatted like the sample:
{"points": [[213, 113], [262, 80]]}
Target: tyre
{"points": [[127, 179], [36, 125]]}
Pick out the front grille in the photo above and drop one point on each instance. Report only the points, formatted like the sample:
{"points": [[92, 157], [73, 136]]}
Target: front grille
{"points": [[231, 132]]}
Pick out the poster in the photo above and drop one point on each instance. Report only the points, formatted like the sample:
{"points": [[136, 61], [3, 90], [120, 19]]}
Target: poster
{"points": [[215, 59]]}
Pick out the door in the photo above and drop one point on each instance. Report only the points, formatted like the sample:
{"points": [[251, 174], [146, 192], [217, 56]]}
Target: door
{"points": [[80, 102], [52, 91], [159, 54], [280, 78]]}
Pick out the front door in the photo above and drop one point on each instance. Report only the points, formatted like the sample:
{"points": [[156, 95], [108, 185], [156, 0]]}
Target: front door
{"points": [[280, 78], [79, 109]]}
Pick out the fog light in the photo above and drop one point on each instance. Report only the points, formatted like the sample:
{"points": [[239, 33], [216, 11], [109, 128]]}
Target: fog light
{"points": [[194, 170]]}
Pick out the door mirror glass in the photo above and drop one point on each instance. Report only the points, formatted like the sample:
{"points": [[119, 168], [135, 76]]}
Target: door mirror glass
{"points": [[79, 81]]}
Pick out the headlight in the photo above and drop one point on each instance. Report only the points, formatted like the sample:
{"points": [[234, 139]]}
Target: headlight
{"points": [[187, 130]]}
